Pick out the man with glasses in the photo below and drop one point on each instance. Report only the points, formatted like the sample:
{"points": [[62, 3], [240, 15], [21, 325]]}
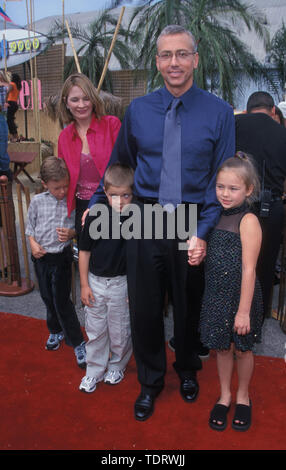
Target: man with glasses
{"points": [[175, 139]]}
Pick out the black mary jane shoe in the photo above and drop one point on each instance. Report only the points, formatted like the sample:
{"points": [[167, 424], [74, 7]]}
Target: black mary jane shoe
{"points": [[219, 414], [189, 389], [144, 406]]}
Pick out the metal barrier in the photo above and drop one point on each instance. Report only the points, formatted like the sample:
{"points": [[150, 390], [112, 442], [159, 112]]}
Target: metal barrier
{"points": [[11, 282]]}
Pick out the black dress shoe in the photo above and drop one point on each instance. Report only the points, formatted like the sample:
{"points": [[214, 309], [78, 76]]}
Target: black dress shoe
{"points": [[144, 406], [189, 389]]}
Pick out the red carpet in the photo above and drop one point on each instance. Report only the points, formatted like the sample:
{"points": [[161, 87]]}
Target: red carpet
{"points": [[42, 408]]}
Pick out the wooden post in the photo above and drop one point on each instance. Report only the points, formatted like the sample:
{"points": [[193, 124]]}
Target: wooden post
{"points": [[27, 196], [29, 35], [5, 53], [13, 284], [7, 213], [72, 45], [110, 50], [34, 79], [4, 44], [36, 112], [2, 261], [23, 236], [63, 39]]}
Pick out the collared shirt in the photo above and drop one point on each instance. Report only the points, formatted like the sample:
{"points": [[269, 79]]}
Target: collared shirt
{"points": [[208, 138], [45, 215], [101, 136]]}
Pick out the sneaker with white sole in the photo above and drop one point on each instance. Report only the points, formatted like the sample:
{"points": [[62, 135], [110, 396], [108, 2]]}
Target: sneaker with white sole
{"points": [[80, 355], [88, 384], [54, 341], [113, 377]]}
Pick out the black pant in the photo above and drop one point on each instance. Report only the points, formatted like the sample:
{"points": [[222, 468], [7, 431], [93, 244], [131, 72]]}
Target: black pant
{"points": [[272, 230], [153, 266], [11, 111], [81, 206], [54, 277]]}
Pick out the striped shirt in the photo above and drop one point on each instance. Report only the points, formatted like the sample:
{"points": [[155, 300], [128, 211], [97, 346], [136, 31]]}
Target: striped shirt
{"points": [[45, 215]]}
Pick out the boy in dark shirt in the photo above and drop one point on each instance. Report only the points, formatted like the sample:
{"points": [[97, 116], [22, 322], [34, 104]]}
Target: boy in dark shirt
{"points": [[102, 266]]}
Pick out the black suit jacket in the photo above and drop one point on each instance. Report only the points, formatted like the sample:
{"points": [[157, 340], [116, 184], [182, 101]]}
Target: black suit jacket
{"points": [[264, 139]]}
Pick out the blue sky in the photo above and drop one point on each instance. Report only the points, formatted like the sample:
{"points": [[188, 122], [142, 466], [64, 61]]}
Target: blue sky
{"points": [[16, 10]]}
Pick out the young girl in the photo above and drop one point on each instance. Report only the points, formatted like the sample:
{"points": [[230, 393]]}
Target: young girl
{"points": [[231, 317]]}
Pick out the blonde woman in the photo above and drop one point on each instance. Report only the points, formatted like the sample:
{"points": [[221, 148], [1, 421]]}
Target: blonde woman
{"points": [[86, 142]]}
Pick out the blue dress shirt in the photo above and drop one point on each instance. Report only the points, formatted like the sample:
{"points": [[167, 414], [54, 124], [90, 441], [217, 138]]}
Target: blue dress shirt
{"points": [[208, 138]]}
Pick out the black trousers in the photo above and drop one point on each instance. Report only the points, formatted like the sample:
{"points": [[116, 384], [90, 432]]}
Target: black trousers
{"points": [[272, 230], [11, 111], [153, 267], [54, 277], [80, 208]]}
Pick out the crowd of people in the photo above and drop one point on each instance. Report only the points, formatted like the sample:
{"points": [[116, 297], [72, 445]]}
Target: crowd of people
{"points": [[176, 147]]}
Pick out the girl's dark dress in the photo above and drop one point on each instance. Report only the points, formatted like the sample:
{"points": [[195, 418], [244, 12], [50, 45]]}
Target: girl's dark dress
{"points": [[223, 286]]}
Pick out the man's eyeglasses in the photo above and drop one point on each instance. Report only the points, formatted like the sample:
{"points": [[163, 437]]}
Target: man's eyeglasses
{"points": [[180, 55]]}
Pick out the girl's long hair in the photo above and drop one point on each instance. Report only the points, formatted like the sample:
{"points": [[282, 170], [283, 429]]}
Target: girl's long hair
{"points": [[245, 166], [17, 80]]}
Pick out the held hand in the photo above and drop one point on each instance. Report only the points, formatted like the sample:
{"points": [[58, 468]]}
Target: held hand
{"points": [[84, 217], [37, 250], [197, 256], [65, 234], [241, 323], [197, 251], [87, 296]]}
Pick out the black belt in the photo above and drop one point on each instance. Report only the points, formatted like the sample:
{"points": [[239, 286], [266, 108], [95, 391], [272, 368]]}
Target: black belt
{"points": [[56, 258], [150, 200], [147, 200]]}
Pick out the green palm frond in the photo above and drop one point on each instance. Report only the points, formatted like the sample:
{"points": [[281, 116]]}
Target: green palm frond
{"points": [[95, 43], [277, 53]]}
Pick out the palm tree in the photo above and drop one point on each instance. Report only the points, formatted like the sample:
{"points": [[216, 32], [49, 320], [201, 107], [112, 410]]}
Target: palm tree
{"points": [[95, 43], [277, 54], [222, 54]]}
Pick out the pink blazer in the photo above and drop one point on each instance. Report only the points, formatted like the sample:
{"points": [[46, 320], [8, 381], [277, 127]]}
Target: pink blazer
{"points": [[101, 137]]}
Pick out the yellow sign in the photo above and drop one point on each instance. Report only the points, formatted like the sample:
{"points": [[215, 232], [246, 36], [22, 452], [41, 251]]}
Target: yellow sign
{"points": [[24, 45]]}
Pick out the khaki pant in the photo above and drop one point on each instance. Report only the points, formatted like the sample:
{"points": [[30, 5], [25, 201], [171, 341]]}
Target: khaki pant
{"points": [[107, 324]]}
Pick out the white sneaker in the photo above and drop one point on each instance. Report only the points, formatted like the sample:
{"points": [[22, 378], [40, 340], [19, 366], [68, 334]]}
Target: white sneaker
{"points": [[80, 355], [113, 377], [88, 384], [54, 341]]}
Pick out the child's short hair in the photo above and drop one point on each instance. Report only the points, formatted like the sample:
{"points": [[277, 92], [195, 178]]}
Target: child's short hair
{"points": [[53, 169], [119, 174], [244, 165]]}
